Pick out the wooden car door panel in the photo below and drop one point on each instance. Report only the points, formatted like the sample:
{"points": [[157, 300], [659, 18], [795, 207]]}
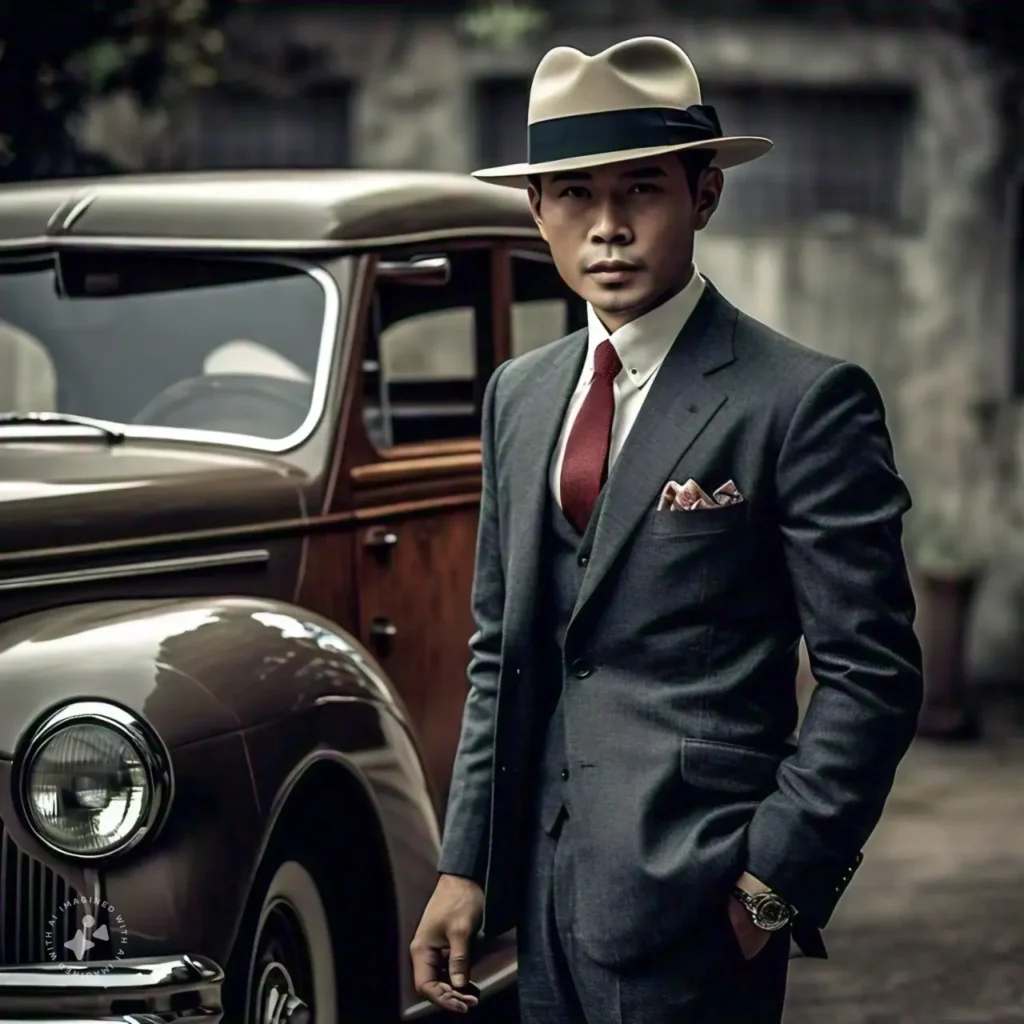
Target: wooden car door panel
{"points": [[415, 580]]}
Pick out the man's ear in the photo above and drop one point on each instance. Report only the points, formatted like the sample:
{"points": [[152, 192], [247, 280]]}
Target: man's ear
{"points": [[534, 198], [709, 195]]}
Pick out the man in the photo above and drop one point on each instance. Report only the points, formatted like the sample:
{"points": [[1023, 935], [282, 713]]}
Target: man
{"points": [[671, 498]]}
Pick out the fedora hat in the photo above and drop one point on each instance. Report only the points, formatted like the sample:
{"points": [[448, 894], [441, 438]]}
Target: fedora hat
{"points": [[636, 99]]}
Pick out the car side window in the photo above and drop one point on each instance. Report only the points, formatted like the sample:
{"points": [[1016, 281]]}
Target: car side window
{"points": [[428, 352], [544, 309]]}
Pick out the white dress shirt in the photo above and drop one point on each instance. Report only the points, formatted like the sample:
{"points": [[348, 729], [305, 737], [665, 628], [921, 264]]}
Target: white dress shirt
{"points": [[642, 345]]}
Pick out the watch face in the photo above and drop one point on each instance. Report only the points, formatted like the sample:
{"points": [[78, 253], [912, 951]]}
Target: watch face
{"points": [[771, 914]]}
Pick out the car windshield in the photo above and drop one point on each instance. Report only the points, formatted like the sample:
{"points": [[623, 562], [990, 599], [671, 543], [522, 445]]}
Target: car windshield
{"points": [[163, 341]]}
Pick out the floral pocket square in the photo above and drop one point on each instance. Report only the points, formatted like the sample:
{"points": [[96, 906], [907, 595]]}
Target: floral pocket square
{"points": [[685, 497]]}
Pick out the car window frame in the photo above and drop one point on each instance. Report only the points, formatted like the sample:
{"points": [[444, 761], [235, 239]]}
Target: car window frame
{"points": [[491, 340], [363, 455]]}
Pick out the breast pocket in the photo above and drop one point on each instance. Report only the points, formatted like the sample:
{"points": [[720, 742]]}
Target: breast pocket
{"points": [[697, 522], [691, 558]]}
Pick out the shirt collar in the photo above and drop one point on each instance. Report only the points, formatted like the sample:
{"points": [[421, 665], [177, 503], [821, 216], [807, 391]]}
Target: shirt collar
{"points": [[643, 343]]}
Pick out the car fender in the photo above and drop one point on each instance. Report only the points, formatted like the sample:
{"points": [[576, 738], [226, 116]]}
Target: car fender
{"points": [[196, 668], [200, 877], [382, 805], [249, 695]]}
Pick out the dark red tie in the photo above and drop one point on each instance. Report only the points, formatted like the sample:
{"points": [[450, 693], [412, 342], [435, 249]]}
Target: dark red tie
{"points": [[585, 463]]}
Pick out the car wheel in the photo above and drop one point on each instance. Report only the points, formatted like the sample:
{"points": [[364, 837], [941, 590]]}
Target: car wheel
{"points": [[292, 976]]}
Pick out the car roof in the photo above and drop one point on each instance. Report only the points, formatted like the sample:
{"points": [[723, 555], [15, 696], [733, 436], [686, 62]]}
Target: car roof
{"points": [[260, 209]]}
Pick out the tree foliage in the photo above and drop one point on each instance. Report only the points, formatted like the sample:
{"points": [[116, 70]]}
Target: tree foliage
{"points": [[503, 23], [54, 57]]}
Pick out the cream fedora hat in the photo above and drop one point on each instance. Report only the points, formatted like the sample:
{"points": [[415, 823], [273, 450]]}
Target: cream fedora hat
{"points": [[638, 98]]}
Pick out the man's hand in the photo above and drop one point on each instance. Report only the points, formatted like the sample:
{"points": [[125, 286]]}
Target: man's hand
{"points": [[450, 921], [751, 939]]}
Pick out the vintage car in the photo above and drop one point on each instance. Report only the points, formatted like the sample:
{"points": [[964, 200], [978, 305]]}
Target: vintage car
{"points": [[239, 482]]}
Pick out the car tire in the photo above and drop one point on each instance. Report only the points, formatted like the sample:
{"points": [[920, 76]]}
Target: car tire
{"points": [[292, 954]]}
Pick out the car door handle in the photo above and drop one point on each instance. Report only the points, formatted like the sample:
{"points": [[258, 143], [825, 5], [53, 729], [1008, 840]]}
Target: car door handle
{"points": [[383, 629], [380, 538]]}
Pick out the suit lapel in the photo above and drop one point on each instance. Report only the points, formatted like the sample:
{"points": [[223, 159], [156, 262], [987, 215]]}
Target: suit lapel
{"points": [[682, 402], [537, 431]]}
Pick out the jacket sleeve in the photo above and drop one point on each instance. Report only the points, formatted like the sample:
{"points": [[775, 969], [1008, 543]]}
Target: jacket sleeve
{"points": [[468, 817], [842, 504]]}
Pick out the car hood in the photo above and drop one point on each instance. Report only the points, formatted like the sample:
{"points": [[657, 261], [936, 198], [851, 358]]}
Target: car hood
{"points": [[75, 500]]}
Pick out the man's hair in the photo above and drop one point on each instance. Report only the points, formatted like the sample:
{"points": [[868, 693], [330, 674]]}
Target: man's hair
{"points": [[694, 161]]}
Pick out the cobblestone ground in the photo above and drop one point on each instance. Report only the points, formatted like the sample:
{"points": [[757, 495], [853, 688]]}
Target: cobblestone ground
{"points": [[932, 927]]}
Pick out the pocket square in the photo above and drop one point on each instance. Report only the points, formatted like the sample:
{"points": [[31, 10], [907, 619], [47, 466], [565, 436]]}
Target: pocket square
{"points": [[684, 497]]}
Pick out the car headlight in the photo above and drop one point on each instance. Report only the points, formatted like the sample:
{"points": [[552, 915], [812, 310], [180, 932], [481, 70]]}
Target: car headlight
{"points": [[94, 780]]}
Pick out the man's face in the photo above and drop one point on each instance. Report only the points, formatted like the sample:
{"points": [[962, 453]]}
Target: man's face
{"points": [[622, 235]]}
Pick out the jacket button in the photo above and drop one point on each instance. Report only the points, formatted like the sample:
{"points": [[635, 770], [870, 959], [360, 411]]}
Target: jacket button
{"points": [[565, 774], [583, 560], [580, 669]]}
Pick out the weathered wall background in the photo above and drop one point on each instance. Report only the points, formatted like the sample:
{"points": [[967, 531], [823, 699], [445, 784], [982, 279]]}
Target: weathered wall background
{"points": [[922, 298]]}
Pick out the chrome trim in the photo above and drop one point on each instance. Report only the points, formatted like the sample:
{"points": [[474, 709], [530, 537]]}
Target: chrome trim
{"points": [[299, 246], [130, 1018], [77, 210], [59, 419], [143, 738], [60, 216], [172, 989], [36, 916], [108, 572], [318, 401]]}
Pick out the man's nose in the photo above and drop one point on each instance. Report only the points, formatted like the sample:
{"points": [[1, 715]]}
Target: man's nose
{"points": [[611, 227]]}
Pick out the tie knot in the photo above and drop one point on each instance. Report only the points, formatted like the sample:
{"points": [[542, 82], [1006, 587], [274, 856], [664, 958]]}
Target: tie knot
{"points": [[606, 361]]}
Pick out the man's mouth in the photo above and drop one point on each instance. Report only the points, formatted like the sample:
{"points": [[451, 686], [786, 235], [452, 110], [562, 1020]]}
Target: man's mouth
{"points": [[612, 271]]}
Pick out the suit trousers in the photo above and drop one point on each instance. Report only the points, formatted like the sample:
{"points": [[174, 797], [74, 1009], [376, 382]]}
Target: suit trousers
{"points": [[707, 981]]}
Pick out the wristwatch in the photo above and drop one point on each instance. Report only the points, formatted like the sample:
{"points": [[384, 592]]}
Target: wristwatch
{"points": [[768, 911]]}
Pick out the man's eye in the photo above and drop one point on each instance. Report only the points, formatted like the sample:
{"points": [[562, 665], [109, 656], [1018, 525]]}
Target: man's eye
{"points": [[575, 192], [645, 187]]}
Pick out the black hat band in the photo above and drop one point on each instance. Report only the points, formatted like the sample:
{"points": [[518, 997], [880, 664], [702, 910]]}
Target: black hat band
{"points": [[613, 131]]}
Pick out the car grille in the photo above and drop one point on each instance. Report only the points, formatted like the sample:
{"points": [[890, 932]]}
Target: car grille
{"points": [[35, 919]]}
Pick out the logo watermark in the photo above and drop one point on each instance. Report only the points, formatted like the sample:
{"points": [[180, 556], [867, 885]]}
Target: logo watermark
{"points": [[73, 954]]}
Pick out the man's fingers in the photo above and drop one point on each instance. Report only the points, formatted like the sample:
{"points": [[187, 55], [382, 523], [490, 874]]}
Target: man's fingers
{"points": [[428, 970], [440, 949], [427, 965], [458, 956], [440, 993]]}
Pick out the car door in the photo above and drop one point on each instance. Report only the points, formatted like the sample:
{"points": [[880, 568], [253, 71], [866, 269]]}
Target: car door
{"points": [[441, 320], [428, 351]]}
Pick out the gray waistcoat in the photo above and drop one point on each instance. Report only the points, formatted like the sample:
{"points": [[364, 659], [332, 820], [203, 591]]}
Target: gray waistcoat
{"points": [[561, 577]]}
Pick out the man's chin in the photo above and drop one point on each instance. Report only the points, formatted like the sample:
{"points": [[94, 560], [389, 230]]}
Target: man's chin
{"points": [[622, 302]]}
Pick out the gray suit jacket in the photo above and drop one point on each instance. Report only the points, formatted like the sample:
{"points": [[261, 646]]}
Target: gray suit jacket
{"points": [[682, 653]]}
